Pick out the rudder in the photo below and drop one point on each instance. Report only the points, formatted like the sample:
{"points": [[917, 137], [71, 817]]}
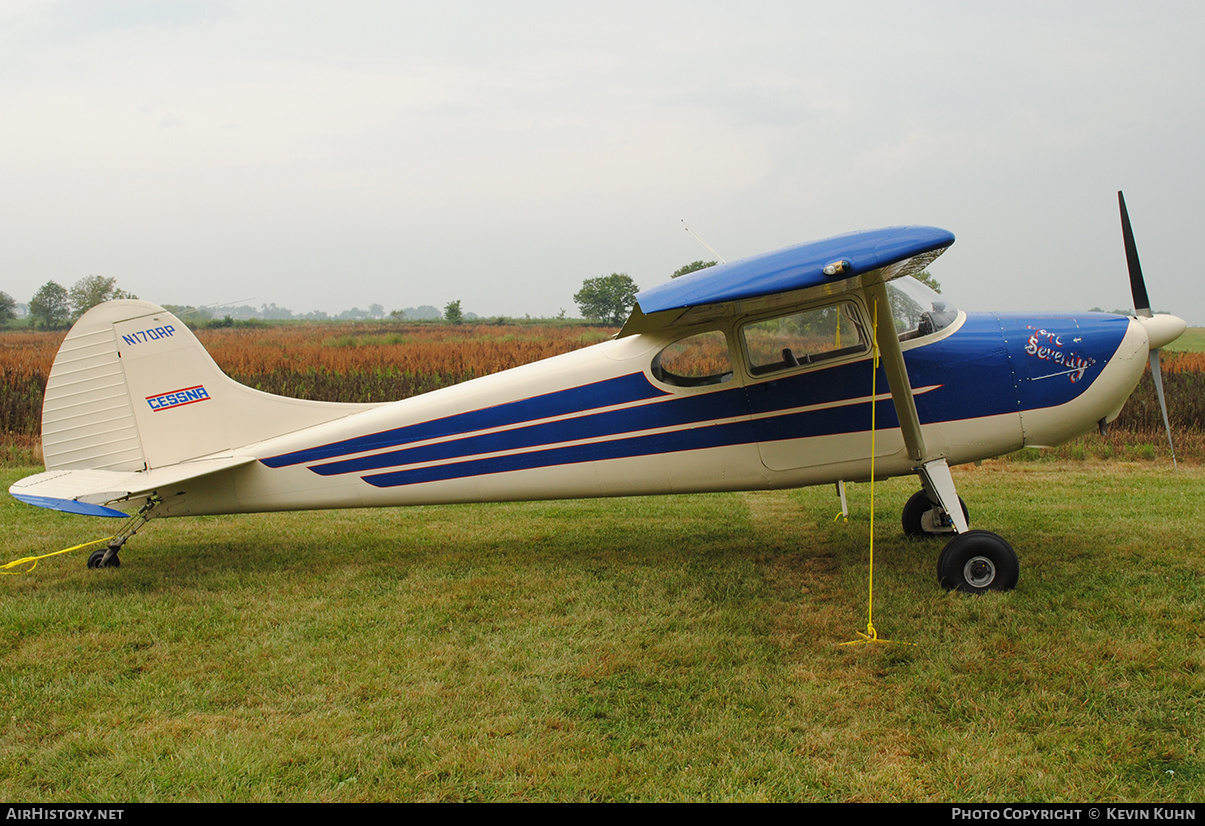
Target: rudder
{"points": [[132, 388]]}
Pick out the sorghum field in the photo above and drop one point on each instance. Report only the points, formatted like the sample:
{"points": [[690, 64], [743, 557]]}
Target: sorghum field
{"points": [[344, 362], [368, 362]]}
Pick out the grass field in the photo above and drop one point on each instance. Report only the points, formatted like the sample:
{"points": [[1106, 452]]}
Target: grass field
{"points": [[1193, 341], [678, 648]]}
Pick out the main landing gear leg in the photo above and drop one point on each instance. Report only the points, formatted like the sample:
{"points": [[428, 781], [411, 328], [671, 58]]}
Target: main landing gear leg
{"points": [[108, 558], [973, 561]]}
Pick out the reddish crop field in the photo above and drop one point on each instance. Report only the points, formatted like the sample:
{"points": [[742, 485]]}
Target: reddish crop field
{"points": [[327, 361], [371, 361]]}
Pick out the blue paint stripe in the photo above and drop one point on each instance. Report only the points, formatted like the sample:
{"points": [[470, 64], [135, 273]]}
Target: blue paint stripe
{"points": [[630, 388], [834, 385], [839, 385], [669, 413], [852, 419], [694, 439]]}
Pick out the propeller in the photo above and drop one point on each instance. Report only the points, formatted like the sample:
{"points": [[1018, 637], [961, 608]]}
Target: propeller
{"points": [[1158, 333]]}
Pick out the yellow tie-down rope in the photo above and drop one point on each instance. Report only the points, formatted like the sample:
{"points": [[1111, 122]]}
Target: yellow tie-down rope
{"points": [[128, 529], [872, 635], [34, 559]]}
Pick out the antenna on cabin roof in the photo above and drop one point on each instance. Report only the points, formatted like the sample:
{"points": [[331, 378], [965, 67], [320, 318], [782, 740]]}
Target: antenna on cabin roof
{"points": [[193, 310], [226, 303], [704, 243]]}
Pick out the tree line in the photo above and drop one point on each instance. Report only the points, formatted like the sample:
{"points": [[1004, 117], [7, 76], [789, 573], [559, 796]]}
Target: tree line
{"points": [[54, 306], [610, 298], [607, 299]]}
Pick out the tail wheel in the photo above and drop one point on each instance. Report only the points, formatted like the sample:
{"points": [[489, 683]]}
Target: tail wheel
{"points": [[97, 559], [976, 562]]}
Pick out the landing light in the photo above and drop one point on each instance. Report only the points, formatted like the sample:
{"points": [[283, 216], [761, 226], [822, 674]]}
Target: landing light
{"points": [[837, 267]]}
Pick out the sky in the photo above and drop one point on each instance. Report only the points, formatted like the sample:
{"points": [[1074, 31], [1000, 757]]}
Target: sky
{"points": [[321, 156]]}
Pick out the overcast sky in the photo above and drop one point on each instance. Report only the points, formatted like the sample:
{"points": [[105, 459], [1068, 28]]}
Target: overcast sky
{"points": [[325, 155]]}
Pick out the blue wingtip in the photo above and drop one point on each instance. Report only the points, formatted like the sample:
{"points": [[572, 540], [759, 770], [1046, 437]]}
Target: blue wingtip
{"points": [[69, 506]]}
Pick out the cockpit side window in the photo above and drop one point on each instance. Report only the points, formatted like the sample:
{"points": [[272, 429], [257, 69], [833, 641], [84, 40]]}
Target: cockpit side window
{"points": [[917, 309], [694, 361], [807, 337]]}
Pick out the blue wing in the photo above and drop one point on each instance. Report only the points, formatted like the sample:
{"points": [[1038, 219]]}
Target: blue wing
{"points": [[793, 272]]}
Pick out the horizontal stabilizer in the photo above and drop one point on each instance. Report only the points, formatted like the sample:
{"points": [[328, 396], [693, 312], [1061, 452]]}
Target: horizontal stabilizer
{"points": [[88, 492], [69, 506]]}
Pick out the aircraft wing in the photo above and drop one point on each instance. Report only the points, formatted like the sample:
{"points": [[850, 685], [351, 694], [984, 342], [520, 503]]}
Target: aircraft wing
{"points": [[787, 276], [88, 492], [858, 261]]}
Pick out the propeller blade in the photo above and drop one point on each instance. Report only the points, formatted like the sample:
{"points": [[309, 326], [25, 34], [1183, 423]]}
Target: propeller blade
{"points": [[1142, 308], [1142, 304], [1157, 376]]}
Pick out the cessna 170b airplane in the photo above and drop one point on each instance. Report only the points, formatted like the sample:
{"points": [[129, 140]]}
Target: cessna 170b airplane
{"points": [[763, 373]]}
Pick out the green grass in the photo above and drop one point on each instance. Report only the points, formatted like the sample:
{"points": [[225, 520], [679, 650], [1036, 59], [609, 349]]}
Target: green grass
{"points": [[678, 648], [1193, 340]]}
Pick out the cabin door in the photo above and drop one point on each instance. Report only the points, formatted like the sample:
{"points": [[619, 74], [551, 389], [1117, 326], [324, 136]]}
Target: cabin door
{"points": [[810, 387]]}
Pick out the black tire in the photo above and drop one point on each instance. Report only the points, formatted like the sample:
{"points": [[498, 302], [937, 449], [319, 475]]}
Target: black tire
{"points": [[976, 562], [96, 557], [916, 508]]}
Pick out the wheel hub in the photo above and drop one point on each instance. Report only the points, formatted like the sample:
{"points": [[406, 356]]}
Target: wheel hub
{"points": [[979, 572]]}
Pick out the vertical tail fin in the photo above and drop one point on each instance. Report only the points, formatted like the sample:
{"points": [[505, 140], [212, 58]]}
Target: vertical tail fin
{"points": [[132, 389]]}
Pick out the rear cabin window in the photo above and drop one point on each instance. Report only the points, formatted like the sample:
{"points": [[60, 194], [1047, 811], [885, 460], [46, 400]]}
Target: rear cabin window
{"points": [[694, 361], [803, 338]]}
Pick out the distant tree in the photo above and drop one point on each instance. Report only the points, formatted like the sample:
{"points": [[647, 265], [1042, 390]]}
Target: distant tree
{"points": [[376, 310], [397, 315], [93, 290], [608, 298], [50, 306], [928, 280], [452, 312], [692, 267], [271, 311], [1121, 312], [423, 313], [189, 314], [242, 312], [8, 308]]}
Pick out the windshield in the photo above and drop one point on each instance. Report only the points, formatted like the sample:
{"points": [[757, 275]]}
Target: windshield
{"points": [[917, 309]]}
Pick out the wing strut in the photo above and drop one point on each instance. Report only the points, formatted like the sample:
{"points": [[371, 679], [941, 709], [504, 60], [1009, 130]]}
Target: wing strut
{"points": [[897, 374], [933, 470]]}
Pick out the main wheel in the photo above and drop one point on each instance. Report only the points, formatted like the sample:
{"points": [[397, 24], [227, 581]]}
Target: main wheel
{"points": [[97, 560], [915, 510], [976, 562]]}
